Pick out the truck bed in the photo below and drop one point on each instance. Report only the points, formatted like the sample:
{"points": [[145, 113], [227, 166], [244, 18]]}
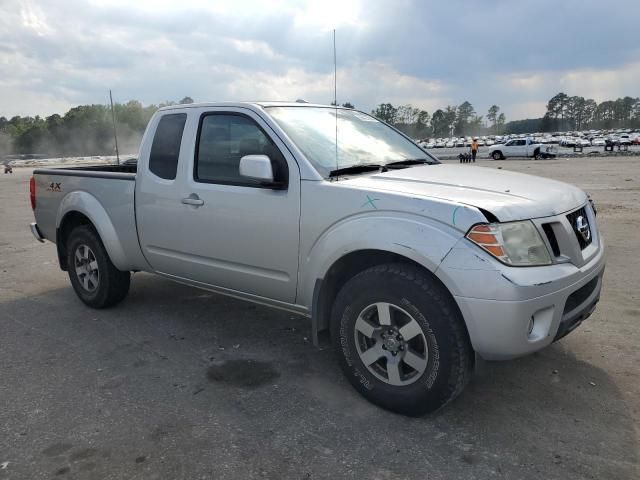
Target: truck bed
{"points": [[105, 194]]}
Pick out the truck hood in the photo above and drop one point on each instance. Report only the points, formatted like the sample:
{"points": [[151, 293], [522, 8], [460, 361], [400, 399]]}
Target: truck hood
{"points": [[507, 195]]}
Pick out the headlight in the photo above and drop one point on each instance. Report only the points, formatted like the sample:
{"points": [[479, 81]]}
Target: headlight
{"points": [[514, 243]]}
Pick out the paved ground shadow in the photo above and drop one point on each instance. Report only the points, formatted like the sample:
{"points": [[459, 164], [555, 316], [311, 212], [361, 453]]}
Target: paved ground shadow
{"points": [[128, 392]]}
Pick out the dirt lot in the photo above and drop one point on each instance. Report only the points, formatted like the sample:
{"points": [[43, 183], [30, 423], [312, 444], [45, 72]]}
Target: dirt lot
{"points": [[140, 391]]}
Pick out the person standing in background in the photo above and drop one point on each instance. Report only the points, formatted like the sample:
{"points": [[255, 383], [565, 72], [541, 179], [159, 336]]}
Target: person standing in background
{"points": [[7, 166], [474, 148]]}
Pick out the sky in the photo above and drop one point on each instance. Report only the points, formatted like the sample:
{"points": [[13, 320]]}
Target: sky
{"points": [[56, 54]]}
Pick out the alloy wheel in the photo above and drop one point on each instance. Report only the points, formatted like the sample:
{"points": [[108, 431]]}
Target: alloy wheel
{"points": [[86, 267], [391, 344]]}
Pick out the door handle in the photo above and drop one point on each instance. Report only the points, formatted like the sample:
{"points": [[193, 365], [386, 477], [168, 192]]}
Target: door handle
{"points": [[193, 200]]}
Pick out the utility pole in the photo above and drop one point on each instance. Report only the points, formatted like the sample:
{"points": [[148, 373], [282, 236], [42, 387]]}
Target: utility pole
{"points": [[115, 134]]}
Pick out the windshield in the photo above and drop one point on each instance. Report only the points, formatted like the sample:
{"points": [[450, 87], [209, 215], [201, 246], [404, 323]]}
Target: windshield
{"points": [[362, 140]]}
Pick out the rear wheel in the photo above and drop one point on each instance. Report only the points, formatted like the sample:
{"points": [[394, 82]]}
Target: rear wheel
{"points": [[401, 339], [497, 155], [96, 281]]}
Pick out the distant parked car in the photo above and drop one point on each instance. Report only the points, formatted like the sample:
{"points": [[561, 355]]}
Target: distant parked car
{"points": [[439, 144], [598, 142], [636, 141], [450, 144], [459, 142], [430, 145], [624, 139], [583, 142]]}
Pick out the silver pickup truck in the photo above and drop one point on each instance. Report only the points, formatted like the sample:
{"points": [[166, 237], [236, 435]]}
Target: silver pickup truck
{"points": [[413, 266]]}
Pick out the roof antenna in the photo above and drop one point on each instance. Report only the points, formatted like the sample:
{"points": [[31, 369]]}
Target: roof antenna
{"points": [[115, 134], [335, 92]]}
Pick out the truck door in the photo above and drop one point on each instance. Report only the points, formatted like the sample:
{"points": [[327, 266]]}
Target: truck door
{"points": [[222, 229], [528, 151], [509, 148], [519, 148]]}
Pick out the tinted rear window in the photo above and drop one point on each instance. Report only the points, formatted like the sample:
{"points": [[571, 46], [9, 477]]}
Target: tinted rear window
{"points": [[165, 149]]}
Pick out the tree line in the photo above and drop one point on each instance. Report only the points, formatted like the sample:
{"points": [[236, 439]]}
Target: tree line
{"points": [[577, 113], [563, 113], [85, 130], [459, 120]]}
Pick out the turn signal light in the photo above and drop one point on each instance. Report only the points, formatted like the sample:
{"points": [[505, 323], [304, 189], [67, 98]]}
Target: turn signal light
{"points": [[486, 237]]}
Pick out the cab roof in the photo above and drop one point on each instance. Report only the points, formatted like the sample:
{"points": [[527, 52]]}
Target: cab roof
{"points": [[259, 104]]}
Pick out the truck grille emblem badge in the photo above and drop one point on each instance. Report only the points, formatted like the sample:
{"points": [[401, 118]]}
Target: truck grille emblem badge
{"points": [[582, 227]]}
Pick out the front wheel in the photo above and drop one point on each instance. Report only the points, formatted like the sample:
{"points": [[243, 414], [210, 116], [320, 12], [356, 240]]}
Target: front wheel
{"points": [[401, 340], [96, 281], [496, 155]]}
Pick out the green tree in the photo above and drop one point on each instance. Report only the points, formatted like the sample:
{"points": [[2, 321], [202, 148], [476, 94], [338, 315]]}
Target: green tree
{"points": [[635, 113], [556, 108], [406, 115], [422, 124], [450, 114], [464, 113], [492, 115], [500, 122], [574, 111], [439, 123], [385, 112], [588, 112]]}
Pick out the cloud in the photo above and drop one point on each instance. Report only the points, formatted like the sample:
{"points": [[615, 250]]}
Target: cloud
{"points": [[427, 53]]}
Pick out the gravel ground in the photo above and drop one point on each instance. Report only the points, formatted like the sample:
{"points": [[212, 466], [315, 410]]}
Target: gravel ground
{"points": [[179, 383]]}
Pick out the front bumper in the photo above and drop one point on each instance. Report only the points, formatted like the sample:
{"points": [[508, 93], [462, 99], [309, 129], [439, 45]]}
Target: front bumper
{"points": [[501, 330], [522, 318]]}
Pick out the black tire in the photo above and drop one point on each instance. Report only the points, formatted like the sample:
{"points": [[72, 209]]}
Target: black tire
{"points": [[449, 357], [497, 155], [112, 284]]}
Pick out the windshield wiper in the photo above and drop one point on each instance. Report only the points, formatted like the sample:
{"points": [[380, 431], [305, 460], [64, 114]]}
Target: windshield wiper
{"points": [[408, 162], [368, 167], [363, 167]]}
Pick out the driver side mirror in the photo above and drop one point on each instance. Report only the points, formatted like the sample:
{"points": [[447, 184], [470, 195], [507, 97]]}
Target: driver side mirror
{"points": [[257, 167]]}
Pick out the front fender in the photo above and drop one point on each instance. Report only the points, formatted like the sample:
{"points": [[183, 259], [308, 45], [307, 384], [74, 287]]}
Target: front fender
{"points": [[422, 240], [89, 206]]}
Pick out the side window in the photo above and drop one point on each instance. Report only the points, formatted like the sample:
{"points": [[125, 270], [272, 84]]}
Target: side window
{"points": [[521, 142], [223, 139], [509, 143], [165, 149]]}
